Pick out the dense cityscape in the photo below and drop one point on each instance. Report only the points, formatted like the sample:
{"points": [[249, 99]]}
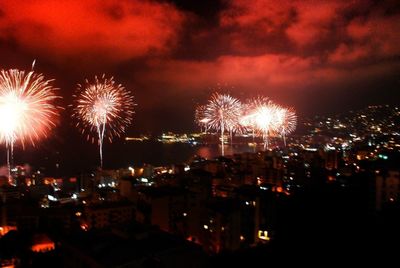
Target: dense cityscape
{"points": [[186, 133], [332, 185]]}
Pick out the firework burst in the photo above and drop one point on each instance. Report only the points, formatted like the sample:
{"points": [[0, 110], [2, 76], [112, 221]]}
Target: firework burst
{"points": [[200, 117], [102, 109], [248, 120], [286, 122], [27, 109], [223, 113], [261, 117]]}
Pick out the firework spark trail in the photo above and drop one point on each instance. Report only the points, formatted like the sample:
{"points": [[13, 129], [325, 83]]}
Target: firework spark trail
{"points": [[223, 113], [27, 109], [236, 127], [102, 109]]}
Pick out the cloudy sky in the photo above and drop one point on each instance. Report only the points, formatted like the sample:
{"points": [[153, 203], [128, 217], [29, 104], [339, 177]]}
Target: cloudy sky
{"points": [[317, 56]]}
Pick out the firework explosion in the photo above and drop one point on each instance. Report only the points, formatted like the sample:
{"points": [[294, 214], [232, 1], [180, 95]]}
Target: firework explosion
{"points": [[27, 109], [259, 115], [286, 122], [265, 119], [223, 113], [249, 117], [102, 109], [200, 117]]}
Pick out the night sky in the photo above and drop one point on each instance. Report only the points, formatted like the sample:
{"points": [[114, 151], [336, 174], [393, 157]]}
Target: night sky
{"points": [[317, 56]]}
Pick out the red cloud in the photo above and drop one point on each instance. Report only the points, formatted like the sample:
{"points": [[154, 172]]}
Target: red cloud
{"points": [[289, 45], [313, 22], [379, 33], [117, 30], [266, 14], [274, 74], [345, 54], [270, 72], [309, 23], [304, 22]]}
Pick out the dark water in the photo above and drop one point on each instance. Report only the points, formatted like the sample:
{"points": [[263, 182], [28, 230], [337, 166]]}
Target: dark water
{"points": [[157, 153], [69, 158]]}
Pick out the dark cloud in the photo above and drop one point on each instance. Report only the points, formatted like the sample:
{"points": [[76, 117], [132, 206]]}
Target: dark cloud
{"points": [[208, 10]]}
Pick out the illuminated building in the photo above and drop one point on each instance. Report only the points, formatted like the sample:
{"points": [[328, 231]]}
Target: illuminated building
{"points": [[42, 243], [8, 263], [133, 246], [9, 193], [259, 209], [147, 171], [125, 188], [106, 178], [387, 188], [221, 226], [6, 228], [163, 207], [3, 181], [39, 191], [331, 160], [108, 214]]}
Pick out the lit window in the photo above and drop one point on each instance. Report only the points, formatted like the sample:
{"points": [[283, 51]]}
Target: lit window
{"points": [[263, 235]]}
